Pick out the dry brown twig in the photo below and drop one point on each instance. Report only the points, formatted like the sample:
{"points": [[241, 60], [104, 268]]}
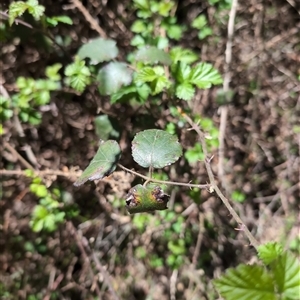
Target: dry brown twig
{"points": [[83, 246], [214, 185], [227, 79], [89, 18]]}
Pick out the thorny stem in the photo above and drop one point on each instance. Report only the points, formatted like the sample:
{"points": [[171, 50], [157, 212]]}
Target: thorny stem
{"points": [[148, 179], [214, 185]]}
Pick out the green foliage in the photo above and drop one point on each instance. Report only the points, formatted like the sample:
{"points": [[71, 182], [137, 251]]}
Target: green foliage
{"points": [[195, 153], [32, 94], [78, 75], [5, 109], [155, 148], [112, 77], [16, 9], [200, 23], [152, 55], [98, 50], [106, 127], [53, 21], [280, 281], [103, 163], [238, 196], [50, 212], [146, 199]]}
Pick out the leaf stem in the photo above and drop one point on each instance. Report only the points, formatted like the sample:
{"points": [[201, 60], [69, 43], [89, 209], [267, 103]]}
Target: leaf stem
{"points": [[149, 179]]}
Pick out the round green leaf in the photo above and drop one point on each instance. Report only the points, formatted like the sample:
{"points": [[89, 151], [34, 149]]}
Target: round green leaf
{"points": [[98, 50], [153, 55], [146, 199], [155, 148], [112, 77], [103, 163]]}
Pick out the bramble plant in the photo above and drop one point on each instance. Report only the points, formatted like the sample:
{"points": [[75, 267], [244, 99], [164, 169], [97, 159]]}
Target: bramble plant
{"points": [[154, 73]]}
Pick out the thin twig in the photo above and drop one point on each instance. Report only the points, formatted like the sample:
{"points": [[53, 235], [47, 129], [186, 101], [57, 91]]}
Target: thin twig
{"points": [[18, 156], [85, 257], [199, 240], [105, 276], [227, 79], [190, 185], [214, 185], [89, 18], [41, 173], [17, 21]]}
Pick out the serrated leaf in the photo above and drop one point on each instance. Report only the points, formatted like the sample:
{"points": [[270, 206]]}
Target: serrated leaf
{"points": [[16, 9], [185, 91], [174, 32], [287, 275], [146, 199], [35, 9], [112, 77], [103, 163], [153, 55], [147, 74], [204, 75], [199, 22], [183, 72], [98, 50], [159, 84], [246, 283], [184, 55], [269, 252], [155, 148]]}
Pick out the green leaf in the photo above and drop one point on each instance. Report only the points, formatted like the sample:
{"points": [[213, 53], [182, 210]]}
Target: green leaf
{"points": [[185, 91], [103, 163], [16, 9], [238, 196], [183, 72], [199, 22], [204, 75], [174, 32], [138, 26], [287, 275], [184, 55], [165, 7], [203, 33], [137, 41], [35, 9], [142, 4], [246, 283], [62, 19], [123, 94], [147, 74], [269, 252], [37, 225], [153, 55], [104, 128], [78, 75], [146, 199], [112, 77], [156, 77], [194, 154], [98, 50], [40, 212], [177, 247], [52, 72], [155, 148]]}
